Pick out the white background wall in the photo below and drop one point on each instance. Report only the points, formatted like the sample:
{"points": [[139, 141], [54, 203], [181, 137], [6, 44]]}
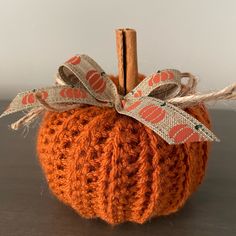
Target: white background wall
{"points": [[196, 36]]}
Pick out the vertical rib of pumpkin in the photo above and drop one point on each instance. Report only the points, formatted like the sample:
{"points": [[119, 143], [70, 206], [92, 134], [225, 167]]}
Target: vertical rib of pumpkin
{"points": [[70, 125], [194, 153], [181, 196], [206, 146], [131, 148], [127, 144], [80, 164], [104, 169], [99, 137], [115, 209], [187, 179], [79, 168], [170, 169], [155, 176], [142, 179], [55, 156]]}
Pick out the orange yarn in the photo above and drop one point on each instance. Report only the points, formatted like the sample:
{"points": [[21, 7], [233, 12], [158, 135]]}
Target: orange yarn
{"points": [[110, 166]]}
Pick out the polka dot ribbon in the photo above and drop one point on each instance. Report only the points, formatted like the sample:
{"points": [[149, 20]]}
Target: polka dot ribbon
{"points": [[81, 81]]}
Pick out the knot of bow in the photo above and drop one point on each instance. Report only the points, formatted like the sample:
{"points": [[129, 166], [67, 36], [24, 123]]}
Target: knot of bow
{"points": [[81, 81]]}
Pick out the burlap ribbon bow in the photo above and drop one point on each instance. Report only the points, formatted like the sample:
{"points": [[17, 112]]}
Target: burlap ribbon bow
{"points": [[81, 81]]}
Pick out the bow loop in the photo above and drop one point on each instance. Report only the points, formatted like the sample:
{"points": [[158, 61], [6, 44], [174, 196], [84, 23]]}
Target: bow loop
{"points": [[163, 84], [82, 70]]}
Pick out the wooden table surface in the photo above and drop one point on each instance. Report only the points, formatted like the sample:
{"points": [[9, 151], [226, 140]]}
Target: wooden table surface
{"points": [[27, 208]]}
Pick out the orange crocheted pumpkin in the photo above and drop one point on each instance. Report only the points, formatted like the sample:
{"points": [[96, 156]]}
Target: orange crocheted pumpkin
{"points": [[110, 166]]}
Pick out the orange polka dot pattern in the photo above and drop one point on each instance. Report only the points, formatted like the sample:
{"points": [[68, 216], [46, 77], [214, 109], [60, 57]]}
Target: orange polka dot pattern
{"points": [[110, 166]]}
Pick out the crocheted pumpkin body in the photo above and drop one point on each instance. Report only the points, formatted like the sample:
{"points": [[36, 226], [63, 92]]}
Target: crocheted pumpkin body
{"points": [[110, 166]]}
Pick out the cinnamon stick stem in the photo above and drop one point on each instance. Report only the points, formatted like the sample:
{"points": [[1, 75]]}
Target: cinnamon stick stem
{"points": [[126, 44]]}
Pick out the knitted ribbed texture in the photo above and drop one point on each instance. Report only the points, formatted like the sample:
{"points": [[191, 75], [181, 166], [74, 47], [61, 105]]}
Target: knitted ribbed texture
{"points": [[107, 165]]}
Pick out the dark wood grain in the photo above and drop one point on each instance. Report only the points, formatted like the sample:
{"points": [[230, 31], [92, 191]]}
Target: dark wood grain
{"points": [[27, 208]]}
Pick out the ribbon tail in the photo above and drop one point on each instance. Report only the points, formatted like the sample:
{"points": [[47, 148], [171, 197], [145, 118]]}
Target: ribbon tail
{"points": [[15, 107], [171, 123], [56, 98]]}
